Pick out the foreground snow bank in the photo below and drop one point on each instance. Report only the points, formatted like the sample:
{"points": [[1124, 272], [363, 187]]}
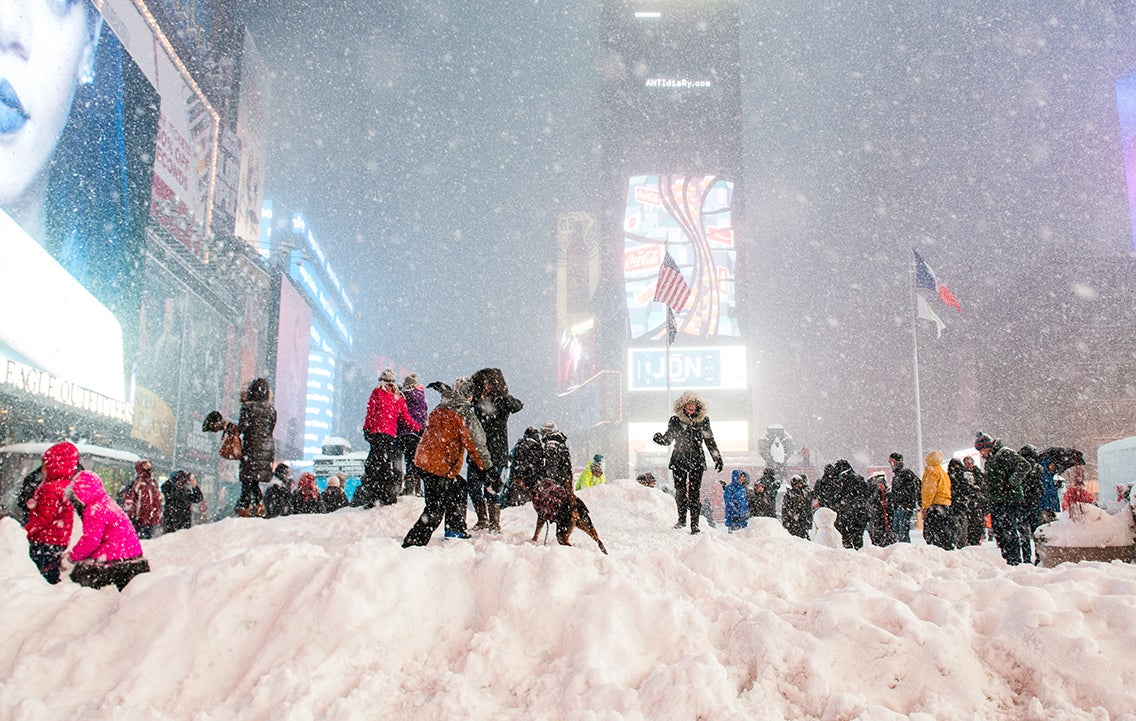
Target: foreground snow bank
{"points": [[328, 618]]}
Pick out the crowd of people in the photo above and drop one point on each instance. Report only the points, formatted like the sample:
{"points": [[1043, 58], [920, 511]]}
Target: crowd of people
{"points": [[421, 452]]}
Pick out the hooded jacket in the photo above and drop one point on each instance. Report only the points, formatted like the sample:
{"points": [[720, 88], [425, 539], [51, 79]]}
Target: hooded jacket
{"points": [[256, 424], [177, 514], [1006, 472], [143, 500], [689, 432], [493, 405], [734, 496], [528, 458], [50, 515], [936, 482], [445, 441], [108, 535]]}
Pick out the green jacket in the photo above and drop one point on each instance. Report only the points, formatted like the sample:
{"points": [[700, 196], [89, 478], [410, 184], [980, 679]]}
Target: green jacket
{"points": [[1006, 473]]}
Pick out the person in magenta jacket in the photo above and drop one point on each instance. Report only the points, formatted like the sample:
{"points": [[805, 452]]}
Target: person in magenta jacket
{"points": [[109, 550], [386, 407], [50, 515]]}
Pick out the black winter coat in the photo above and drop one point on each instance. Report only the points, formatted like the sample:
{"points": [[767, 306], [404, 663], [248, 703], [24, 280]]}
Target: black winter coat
{"points": [[177, 505], [492, 404], [277, 500], [557, 460], [689, 433], [528, 459], [797, 510], [257, 422], [906, 488], [333, 499]]}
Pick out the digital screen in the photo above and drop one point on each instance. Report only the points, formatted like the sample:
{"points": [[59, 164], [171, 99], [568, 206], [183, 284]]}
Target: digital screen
{"points": [[291, 390], [689, 217], [77, 143], [672, 84]]}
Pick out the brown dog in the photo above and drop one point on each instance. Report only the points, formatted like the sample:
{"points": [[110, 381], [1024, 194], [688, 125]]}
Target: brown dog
{"points": [[555, 503]]}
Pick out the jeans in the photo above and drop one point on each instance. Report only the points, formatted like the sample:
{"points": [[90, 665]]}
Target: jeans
{"points": [[901, 523]]}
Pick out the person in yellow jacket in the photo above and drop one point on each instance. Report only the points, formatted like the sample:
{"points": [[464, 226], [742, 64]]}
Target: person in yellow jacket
{"points": [[593, 475], [937, 525]]}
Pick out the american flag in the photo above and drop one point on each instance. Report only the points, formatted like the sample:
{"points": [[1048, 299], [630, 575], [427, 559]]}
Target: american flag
{"points": [[671, 288]]}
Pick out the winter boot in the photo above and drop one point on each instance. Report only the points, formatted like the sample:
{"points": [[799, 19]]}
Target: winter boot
{"points": [[681, 522], [494, 518], [482, 515]]}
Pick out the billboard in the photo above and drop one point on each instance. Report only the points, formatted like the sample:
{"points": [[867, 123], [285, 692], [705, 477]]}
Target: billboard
{"points": [[77, 143], [691, 218], [713, 368], [251, 109], [291, 390]]}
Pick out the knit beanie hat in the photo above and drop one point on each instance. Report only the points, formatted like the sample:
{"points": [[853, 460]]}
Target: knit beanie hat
{"points": [[60, 461], [982, 442], [897, 457], [597, 463], [549, 427], [409, 382], [387, 376]]}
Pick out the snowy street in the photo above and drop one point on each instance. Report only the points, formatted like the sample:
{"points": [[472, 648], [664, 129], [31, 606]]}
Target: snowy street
{"points": [[326, 617]]}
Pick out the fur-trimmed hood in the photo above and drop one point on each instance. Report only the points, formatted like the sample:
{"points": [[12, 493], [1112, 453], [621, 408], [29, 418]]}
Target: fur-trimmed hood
{"points": [[679, 407]]}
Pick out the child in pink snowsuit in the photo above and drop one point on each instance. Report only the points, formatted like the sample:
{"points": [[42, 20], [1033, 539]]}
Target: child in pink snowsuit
{"points": [[109, 550]]}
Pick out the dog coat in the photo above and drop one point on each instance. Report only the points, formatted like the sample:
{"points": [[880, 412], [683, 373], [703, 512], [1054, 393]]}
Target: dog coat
{"points": [[548, 499]]}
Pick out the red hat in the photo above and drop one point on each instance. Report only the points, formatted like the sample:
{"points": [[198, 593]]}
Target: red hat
{"points": [[60, 461]]}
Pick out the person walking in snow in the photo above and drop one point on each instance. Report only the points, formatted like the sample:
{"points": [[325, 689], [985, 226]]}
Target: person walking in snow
{"points": [[446, 441], [763, 495], [180, 492], [734, 497], [851, 504], [905, 495], [493, 404], [142, 500], [258, 448], [879, 520], [385, 408], [936, 501], [797, 507], [593, 473], [689, 429], [527, 466], [50, 515], [978, 504], [1006, 472], [108, 551], [415, 395]]}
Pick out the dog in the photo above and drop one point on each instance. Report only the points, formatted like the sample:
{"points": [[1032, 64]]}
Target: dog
{"points": [[557, 503]]}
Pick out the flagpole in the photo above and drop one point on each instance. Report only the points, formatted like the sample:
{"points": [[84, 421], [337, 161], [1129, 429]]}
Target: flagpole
{"points": [[667, 316], [915, 372]]}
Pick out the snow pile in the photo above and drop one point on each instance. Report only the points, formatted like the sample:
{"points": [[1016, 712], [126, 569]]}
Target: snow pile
{"points": [[1092, 527], [326, 617]]}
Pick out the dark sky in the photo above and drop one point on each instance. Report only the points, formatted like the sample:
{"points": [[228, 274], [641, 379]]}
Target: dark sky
{"points": [[433, 143]]}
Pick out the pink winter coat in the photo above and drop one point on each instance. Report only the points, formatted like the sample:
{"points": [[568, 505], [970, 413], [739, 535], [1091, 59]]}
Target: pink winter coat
{"points": [[108, 534], [384, 410]]}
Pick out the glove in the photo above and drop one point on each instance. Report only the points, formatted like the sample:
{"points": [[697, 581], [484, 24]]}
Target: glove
{"points": [[658, 438], [718, 464]]}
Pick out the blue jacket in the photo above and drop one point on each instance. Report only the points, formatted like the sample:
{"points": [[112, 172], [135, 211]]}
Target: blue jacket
{"points": [[737, 507]]}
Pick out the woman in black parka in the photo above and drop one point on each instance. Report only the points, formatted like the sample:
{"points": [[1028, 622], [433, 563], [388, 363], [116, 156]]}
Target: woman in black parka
{"points": [[257, 422], [689, 429]]}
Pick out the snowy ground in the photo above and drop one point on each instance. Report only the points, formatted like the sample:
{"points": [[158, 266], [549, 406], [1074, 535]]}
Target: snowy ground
{"points": [[326, 617]]}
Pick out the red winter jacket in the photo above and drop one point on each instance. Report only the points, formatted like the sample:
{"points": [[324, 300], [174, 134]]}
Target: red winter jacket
{"points": [[143, 501], [384, 410], [50, 515]]}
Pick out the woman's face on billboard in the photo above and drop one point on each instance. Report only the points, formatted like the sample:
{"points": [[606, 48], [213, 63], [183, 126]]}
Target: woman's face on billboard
{"points": [[46, 50]]}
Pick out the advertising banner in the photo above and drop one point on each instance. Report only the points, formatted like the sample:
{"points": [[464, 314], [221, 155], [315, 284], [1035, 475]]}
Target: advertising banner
{"points": [[77, 140], [691, 218], [251, 108], [293, 344], [690, 368]]}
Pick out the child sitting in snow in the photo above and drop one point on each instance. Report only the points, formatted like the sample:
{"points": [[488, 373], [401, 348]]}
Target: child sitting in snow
{"points": [[824, 529], [734, 495], [109, 551]]}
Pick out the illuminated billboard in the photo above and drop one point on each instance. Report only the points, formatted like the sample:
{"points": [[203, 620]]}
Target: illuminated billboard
{"points": [[691, 218], [294, 324], [77, 142], [713, 368]]}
